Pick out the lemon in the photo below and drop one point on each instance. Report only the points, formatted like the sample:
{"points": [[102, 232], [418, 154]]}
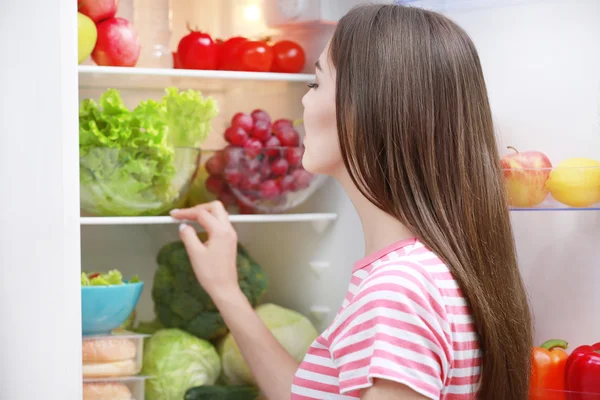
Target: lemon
{"points": [[575, 182]]}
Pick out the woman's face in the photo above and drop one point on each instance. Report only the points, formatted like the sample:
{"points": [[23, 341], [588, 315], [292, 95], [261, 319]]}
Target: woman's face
{"points": [[322, 149]]}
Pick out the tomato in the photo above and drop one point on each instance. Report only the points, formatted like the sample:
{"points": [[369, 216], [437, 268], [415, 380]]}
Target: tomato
{"points": [[255, 56], [228, 58], [197, 50], [288, 57], [176, 62]]}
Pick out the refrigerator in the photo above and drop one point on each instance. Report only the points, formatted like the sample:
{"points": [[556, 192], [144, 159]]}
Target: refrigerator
{"points": [[541, 61]]}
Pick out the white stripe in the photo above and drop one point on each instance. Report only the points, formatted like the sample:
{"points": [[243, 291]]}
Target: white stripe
{"points": [[466, 354], [460, 389], [462, 318], [415, 318], [390, 348], [316, 377], [382, 362], [454, 301], [395, 332], [318, 360], [317, 394], [463, 372], [460, 337], [447, 284]]}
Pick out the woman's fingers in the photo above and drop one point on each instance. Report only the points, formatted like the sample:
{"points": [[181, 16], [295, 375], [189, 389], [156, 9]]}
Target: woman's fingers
{"points": [[202, 213], [190, 239]]}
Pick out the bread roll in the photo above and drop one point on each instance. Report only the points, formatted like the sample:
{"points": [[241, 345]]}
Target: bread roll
{"points": [[107, 350], [110, 369], [106, 391]]}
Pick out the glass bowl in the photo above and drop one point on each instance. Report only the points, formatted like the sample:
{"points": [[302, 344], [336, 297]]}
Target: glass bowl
{"points": [[135, 181], [254, 181]]}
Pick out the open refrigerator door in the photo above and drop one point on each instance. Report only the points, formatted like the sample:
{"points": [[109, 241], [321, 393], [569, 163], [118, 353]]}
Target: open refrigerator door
{"points": [[169, 127]]}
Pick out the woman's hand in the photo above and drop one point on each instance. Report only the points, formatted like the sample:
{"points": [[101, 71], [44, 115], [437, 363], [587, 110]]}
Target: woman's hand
{"points": [[214, 261], [215, 267]]}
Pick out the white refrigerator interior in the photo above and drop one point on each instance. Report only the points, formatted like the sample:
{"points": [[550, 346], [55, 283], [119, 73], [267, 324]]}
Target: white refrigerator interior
{"points": [[542, 65]]}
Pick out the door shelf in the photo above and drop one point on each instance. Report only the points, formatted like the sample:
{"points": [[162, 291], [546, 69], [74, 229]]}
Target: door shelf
{"points": [[91, 76], [255, 218]]}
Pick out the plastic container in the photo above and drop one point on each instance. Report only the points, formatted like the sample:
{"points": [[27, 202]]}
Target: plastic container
{"points": [[134, 384], [112, 356], [104, 308], [152, 20], [135, 181], [265, 181]]}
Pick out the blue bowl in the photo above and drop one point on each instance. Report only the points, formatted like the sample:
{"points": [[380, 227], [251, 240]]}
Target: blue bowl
{"points": [[104, 308]]}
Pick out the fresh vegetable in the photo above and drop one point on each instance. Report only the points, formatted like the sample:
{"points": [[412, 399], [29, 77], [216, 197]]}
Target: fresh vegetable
{"points": [[178, 361], [292, 330], [254, 56], [288, 56], [548, 371], [582, 373], [113, 277], [127, 158], [148, 327], [180, 301], [197, 50], [117, 45], [243, 392], [228, 58]]}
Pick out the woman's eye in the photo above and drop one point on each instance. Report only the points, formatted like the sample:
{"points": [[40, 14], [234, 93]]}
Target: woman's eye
{"points": [[312, 85]]}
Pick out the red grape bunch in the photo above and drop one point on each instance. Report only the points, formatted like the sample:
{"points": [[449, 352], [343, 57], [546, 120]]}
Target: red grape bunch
{"points": [[261, 164]]}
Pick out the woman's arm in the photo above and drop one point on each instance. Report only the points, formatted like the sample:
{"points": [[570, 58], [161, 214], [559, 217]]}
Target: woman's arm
{"points": [[215, 268], [272, 367], [388, 390]]}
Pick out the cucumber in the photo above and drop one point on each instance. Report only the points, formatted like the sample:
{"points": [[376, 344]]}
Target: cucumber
{"points": [[245, 392]]}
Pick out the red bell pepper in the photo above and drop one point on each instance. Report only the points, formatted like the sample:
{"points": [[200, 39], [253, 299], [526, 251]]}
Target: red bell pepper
{"points": [[582, 373]]}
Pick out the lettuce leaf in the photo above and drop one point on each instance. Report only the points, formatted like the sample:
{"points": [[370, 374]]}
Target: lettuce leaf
{"points": [[127, 158]]}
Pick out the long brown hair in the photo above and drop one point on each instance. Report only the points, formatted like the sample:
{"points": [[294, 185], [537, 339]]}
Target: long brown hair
{"points": [[417, 138]]}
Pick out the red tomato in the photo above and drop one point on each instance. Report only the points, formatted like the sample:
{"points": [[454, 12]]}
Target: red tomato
{"points": [[228, 57], [288, 57], [176, 62], [255, 56], [197, 50]]}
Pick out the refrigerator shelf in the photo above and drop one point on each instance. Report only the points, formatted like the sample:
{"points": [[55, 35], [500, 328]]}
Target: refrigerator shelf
{"points": [[91, 76], [255, 218]]}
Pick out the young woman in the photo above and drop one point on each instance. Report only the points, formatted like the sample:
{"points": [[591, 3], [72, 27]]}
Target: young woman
{"points": [[399, 115]]}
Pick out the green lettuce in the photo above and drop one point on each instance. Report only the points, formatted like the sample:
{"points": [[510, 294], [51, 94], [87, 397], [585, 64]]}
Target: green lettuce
{"points": [[127, 158], [112, 277]]}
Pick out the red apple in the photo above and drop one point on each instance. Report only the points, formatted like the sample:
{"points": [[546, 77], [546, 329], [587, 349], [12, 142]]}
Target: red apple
{"points": [[526, 174], [98, 10], [117, 44]]}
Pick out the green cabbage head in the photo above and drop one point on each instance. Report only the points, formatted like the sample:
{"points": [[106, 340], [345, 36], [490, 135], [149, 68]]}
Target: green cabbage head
{"points": [[178, 361], [292, 330]]}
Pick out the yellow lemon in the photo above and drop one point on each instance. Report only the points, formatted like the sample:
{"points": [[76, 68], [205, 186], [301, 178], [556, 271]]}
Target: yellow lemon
{"points": [[575, 182]]}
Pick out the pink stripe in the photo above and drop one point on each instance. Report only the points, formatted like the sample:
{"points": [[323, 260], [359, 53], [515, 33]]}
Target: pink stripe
{"points": [[467, 363], [464, 380], [400, 362], [464, 328], [323, 387], [322, 341], [390, 375], [452, 292], [379, 342], [470, 345], [442, 276], [319, 369], [454, 396], [419, 251], [401, 265], [458, 310]]}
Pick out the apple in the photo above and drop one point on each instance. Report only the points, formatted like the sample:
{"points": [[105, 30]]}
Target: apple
{"points": [[526, 174], [98, 10], [117, 45], [87, 34]]}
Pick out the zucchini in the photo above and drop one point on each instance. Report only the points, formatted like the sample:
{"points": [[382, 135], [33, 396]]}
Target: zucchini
{"points": [[244, 392]]}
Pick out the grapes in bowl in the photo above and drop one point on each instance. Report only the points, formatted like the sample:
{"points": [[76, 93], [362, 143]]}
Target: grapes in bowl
{"points": [[260, 170]]}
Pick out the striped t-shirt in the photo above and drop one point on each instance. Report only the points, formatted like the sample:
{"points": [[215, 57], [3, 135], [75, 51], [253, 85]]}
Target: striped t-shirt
{"points": [[404, 319]]}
